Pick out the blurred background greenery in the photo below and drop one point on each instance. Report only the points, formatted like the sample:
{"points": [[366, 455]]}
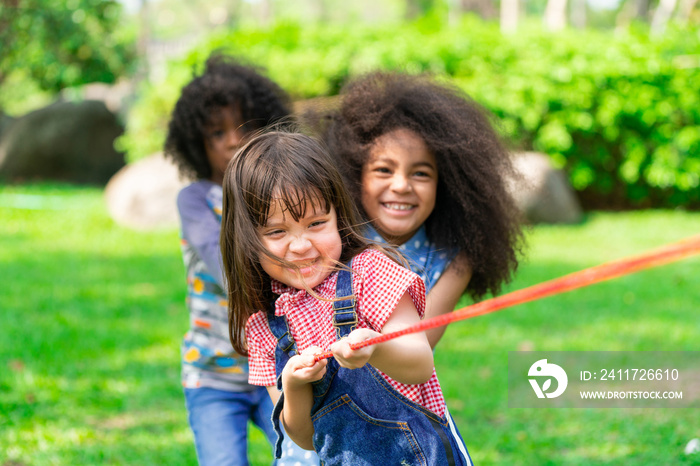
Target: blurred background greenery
{"points": [[608, 89], [93, 312]]}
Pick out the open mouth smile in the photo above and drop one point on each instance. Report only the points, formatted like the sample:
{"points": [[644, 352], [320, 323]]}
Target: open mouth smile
{"points": [[306, 267], [398, 206]]}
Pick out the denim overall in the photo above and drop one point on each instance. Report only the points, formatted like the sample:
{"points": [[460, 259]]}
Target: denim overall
{"points": [[358, 418]]}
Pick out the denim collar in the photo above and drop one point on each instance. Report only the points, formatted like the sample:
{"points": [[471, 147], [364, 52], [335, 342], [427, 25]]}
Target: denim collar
{"points": [[416, 249]]}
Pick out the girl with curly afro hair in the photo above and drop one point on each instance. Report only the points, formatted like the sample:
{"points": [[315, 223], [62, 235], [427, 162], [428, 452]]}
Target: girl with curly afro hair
{"points": [[216, 112], [427, 170], [255, 100]]}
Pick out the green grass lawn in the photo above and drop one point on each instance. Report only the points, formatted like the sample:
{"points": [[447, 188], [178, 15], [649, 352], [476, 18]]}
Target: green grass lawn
{"points": [[93, 313]]}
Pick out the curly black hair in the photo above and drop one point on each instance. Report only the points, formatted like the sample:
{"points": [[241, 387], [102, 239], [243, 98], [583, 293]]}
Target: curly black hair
{"points": [[225, 82], [474, 211]]}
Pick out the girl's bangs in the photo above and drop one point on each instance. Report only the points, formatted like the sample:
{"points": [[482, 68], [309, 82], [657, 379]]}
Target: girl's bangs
{"points": [[297, 199], [296, 190]]}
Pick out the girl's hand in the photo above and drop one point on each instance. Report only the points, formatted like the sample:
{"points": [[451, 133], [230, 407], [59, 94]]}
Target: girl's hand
{"points": [[302, 369], [297, 376], [350, 358], [407, 359]]}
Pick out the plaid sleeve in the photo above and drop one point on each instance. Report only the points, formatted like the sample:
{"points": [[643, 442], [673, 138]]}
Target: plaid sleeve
{"points": [[379, 285], [261, 351]]}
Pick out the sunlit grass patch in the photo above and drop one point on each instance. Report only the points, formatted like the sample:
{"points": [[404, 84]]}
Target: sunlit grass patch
{"points": [[93, 315]]}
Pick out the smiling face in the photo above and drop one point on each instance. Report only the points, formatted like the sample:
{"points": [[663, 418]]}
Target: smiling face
{"points": [[399, 185], [311, 243], [223, 136]]}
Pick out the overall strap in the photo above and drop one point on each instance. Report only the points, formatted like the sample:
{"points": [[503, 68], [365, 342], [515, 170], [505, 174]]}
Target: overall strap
{"points": [[286, 346], [280, 329], [344, 315]]}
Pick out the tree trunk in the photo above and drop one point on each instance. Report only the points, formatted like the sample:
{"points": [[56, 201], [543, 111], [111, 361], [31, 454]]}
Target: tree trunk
{"points": [[661, 16], [642, 9], [684, 11], [266, 12], [233, 14], [417, 8], [555, 15], [321, 11], [631, 9], [486, 9], [510, 13], [144, 36], [578, 13], [413, 9]]}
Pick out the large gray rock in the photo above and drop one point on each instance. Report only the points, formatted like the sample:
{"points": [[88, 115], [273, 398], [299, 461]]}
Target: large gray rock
{"points": [[543, 193], [5, 122], [65, 141], [142, 195]]}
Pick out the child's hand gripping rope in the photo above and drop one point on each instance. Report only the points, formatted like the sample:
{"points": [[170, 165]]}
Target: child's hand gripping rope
{"points": [[660, 256], [302, 368], [346, 349]]}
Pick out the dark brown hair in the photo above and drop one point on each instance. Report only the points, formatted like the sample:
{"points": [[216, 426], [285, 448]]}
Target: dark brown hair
{"points": [[473, 212], [291, 168], [226, 81]]}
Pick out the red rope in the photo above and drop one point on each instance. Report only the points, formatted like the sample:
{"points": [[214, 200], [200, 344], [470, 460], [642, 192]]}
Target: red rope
{"points": [[653, 258]]}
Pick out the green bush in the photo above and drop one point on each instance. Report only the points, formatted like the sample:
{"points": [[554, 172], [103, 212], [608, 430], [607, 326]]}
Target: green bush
{"points": [[618, 111]]}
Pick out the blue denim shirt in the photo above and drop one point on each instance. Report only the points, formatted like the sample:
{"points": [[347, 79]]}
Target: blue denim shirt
{"points": [[424, 257]]}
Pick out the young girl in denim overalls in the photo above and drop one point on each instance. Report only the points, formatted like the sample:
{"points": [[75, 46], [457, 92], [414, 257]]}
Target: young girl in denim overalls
{"points": [[302, 281]]}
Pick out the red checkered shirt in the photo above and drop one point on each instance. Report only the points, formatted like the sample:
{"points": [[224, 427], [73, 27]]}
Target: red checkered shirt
{"points": [[378, 283]]}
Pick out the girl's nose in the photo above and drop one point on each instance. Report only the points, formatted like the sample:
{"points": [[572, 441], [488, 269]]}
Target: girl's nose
{"points": [[233, 139], [299, 244], [400, 184]]}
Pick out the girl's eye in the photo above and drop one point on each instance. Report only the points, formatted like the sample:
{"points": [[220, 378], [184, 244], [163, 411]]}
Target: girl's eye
{"points": [[422, 174], [273, 233], [317, 223], [382, 170], [216, 134]]}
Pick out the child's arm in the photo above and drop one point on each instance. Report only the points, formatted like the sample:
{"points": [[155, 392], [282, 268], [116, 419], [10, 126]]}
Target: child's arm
{"points": [[444, 295], [201, 229], [297, 376], [407, 359]]}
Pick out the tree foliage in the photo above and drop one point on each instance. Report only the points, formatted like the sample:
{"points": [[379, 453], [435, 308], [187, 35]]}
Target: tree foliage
{"points": [[63, 43], [619, 112]]}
